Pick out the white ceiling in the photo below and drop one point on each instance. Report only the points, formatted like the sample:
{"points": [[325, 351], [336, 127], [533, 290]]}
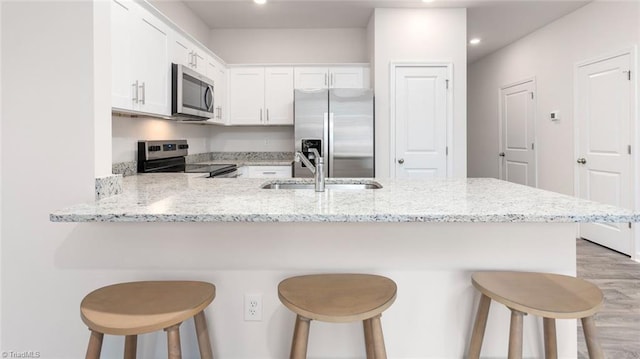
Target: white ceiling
{"points": [[498, 23]]}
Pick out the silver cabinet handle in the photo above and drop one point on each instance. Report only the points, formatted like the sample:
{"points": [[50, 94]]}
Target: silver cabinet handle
{"points": [[143, 88], [191, 58], [325, 80], [401, 161], [269, 173], [582, 161], [134, 88], [267, 115], [260, 115], [331, 80], [501, 154], [195, 59]]}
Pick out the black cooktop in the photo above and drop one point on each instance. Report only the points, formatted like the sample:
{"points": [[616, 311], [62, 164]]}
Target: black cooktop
{"points": [[214, 169]]}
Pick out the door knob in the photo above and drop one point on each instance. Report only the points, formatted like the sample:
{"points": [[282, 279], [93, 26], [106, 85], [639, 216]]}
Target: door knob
{"points": [[401, 161], [582, 161], [501, 154]]}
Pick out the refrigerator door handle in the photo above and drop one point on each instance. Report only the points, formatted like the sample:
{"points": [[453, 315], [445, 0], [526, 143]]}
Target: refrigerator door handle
{"points": [[331, 123]]}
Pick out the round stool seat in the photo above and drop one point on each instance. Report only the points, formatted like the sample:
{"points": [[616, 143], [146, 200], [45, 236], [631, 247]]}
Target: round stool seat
{"points": [[542, 294], [142, 307], [337, 298]]}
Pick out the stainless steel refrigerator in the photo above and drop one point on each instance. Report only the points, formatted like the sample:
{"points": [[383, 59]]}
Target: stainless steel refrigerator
{"points": [[339, 124]]}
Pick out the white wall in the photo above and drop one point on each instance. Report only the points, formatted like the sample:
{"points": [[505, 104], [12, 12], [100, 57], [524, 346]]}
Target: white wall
{"points": [[549, 55], [102, 87], [371, 46], [239, 46], [1, 152], [185, 18], [127, 131], [51, 44], [253, 139], [420, 35]]}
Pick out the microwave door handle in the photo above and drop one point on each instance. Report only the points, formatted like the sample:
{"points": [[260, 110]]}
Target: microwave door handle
{"points": [[208, 94]]}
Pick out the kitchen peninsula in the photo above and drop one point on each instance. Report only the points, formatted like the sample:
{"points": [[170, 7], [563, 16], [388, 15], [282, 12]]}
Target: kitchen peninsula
{"points": [[427, 235]]}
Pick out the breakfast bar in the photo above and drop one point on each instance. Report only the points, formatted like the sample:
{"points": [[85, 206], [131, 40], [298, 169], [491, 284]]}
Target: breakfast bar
{"points": [[426, 235]]}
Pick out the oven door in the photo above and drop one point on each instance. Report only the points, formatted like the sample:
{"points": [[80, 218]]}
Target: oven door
{"points": [[191, 94]]}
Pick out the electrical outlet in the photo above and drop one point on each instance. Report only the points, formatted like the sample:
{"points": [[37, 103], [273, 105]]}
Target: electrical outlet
{"points": [[253, 307]]}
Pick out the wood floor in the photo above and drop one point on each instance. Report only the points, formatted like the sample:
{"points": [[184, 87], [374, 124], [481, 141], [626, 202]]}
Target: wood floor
{"points": [[619, 321]]}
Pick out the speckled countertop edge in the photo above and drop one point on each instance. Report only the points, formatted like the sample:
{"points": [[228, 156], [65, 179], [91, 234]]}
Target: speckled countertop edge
{"points": [[184, 198]]}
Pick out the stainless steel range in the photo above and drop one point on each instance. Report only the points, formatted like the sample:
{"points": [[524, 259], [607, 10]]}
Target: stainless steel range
{"points": [[169, 156]]}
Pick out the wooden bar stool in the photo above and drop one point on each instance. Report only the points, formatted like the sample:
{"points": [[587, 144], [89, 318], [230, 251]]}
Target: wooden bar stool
{"points": [[550, 296], [338, 298], [141, 307]]}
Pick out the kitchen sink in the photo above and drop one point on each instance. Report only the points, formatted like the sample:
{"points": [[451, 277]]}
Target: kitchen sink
{"points": [[359, 185]]}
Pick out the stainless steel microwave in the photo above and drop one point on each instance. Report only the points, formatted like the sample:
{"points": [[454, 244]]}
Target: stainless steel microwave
{"points": [[191, 94]]}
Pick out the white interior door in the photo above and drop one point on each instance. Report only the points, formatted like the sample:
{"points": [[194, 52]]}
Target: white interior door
{"points": [[421, 121], [603, 114], [518, 160]]}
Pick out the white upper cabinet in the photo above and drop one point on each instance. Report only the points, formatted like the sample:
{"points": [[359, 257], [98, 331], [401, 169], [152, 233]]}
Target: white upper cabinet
{"points": [[121, 78], [218, 73], [278, 100], [140, 60], [246, 96], [261, 96], [310, 78], [344, 77], [184, 52]]}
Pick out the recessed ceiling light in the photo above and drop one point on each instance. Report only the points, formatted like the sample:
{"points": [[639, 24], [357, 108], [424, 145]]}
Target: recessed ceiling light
{"points": [[261, 2], [474, 41]]}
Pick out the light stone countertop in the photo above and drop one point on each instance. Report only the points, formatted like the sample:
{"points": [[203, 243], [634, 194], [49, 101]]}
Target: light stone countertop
{"points": [[174, 197]]}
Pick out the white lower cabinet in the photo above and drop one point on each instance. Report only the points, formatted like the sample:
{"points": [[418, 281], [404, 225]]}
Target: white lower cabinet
{"points": [[265, 172]]}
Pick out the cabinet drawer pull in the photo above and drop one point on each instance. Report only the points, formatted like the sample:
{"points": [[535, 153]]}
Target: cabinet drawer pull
{"points": [[269, 173]]}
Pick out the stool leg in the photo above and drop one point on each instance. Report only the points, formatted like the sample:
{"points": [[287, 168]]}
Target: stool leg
{"points": [[591, 337], [478, 328], [130, 346], [515, 335], [173, 342], [550, 340], [95, 345], [378, 340], [204, 343], [300, 338], [368, 338]]}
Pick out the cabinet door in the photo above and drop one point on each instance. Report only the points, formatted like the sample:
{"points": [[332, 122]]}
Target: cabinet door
{"points": [[151, 64], [180, 50], [279, 95], [199, 62], [310, 78], [246, 91], [218, 74], [122, 89], [344, 77]]}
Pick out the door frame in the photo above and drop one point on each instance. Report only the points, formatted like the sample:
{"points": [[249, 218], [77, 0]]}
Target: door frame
{"points": [[633, 131], [501, 143], [392, 110]]}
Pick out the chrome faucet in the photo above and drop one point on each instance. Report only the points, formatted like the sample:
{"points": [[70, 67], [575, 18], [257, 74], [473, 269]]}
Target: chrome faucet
{"points": [[317, 170]]}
